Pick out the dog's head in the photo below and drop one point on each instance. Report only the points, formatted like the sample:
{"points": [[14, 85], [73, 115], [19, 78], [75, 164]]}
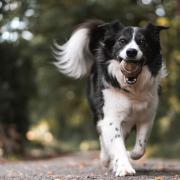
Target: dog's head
{"points": [[134, 46]]}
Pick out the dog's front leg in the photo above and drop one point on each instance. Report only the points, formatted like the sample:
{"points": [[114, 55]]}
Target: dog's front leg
{"points": [[104, 155], [112, 135], [143, 130]]}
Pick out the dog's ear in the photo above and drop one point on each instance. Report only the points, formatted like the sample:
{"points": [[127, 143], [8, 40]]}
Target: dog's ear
{"points": [[162, 27], [151, 26], [116, 26], [112, 27], [153, 31]]}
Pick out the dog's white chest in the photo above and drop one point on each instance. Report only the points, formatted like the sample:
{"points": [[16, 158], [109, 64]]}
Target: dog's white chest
{"points": [[117, 104], [141, 100], [138, 104]]}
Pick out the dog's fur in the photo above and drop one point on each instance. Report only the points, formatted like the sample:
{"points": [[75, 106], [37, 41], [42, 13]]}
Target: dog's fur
{"points": [[97, 49]]}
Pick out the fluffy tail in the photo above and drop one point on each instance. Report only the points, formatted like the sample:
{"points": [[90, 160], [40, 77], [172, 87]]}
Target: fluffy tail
{"points": [[75, 57]]}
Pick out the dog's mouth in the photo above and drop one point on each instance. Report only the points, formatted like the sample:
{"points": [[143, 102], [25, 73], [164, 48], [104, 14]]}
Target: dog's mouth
{"points": [[130, 80], [131, 70]]}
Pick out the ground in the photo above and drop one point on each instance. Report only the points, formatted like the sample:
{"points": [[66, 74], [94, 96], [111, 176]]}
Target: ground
{"points": [[85, 165]]}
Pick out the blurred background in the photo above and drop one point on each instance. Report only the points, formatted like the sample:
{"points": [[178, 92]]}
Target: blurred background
{"points": [[42, 112]]}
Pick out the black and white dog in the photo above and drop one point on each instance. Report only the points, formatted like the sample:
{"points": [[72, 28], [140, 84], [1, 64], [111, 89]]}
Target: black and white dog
{"points": [[124, 66]]}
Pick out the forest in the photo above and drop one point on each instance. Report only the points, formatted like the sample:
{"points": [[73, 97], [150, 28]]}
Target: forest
{"points": [[43, 112]]}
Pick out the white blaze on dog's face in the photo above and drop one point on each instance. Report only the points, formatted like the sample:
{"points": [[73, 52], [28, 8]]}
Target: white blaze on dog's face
{"points": [[131, 51], [130, 44]]}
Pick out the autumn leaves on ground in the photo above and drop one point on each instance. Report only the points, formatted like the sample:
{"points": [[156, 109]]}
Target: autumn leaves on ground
{"points": [[85, 165]]}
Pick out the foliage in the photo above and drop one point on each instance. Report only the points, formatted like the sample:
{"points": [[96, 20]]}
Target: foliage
{"points": [[16, 79]]}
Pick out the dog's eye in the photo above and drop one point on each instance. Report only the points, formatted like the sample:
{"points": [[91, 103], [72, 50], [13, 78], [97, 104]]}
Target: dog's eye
{"points": [[142, 42], [122, 41]]}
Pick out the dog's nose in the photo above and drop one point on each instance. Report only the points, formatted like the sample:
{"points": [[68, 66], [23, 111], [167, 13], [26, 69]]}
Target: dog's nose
{"points": [[131, 53]]}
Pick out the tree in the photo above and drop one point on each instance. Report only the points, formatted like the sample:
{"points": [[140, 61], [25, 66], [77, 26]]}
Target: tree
{"points": [[16, 77]]}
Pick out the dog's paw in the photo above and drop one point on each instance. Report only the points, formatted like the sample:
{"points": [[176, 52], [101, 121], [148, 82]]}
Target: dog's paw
{"points": [[136, 154], [123, 169]]}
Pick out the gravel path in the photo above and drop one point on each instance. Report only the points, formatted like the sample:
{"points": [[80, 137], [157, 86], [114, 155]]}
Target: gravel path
{"points": [[85, 165]]}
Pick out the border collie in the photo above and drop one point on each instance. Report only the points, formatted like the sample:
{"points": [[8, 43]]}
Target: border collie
{"points": [[124, 67]]}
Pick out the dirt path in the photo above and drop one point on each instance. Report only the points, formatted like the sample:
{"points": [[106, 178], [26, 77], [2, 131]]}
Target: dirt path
{"points": [[85, 165]]}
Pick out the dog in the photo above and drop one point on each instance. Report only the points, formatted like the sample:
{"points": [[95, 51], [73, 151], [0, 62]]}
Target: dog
{"points": [[124, 67]]}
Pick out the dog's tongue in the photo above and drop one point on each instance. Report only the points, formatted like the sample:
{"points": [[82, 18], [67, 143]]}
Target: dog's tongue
{"points": [[131, 71]]}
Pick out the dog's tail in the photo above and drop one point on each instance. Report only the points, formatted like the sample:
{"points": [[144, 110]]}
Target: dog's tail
{"points": [[75, 57]]}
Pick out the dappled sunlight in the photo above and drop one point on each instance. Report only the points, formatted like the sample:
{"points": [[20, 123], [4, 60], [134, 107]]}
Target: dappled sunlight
{"points": [[164, 125], [163, 21], [41, 133], [88, 145], [175, 104]]}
